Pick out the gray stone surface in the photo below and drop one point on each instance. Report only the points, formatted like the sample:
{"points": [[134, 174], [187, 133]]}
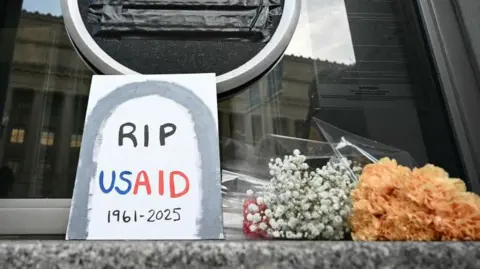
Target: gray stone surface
{"points": [[241, 254]]}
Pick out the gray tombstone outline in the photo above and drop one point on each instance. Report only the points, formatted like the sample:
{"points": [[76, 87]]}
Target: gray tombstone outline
{"points": [[210, 222]]}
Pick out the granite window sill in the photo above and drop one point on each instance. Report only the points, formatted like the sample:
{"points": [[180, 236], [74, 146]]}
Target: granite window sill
{"points": [[240, 254]]}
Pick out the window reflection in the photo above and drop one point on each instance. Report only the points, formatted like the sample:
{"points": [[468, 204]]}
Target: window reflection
{"points": [[17, 136], [47, 138], [354, 64], [336, 48], [47, 96], [76, 141]]}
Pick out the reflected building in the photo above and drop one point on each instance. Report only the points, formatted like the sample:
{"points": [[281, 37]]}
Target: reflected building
{"points": [[279, 103], [44, 108], [48, 95]]}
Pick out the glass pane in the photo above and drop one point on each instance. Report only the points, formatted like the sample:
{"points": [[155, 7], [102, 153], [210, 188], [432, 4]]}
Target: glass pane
{"points": [[339, 44], [45, 101], [359, 65]]}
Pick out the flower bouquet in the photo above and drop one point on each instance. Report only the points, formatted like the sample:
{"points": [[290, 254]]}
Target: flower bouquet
{"points": [[300, 203], [308, 194], [349, 187], [392, 202], [395, 200]]}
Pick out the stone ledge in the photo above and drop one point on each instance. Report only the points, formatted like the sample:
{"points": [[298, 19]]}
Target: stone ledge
{"points": [[237, 254]]}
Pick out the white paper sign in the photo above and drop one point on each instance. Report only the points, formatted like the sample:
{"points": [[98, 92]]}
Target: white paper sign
{"points": [[149, 165]]}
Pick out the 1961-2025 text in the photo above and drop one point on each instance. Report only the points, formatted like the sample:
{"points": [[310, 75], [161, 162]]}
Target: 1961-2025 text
{"points": [[152, 215]]}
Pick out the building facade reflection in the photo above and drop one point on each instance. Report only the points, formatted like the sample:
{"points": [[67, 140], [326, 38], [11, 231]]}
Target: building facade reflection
{"points": [[383, 96], [44, 108], [48, 95]]}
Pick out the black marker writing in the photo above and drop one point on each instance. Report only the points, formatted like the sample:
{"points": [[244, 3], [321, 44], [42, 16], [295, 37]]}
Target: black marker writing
{"points": [[164, 134], [122, 134], [127, 130]]}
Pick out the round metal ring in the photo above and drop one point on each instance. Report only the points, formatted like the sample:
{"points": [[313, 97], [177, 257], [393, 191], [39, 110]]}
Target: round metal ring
{"points": [[233, 79]]}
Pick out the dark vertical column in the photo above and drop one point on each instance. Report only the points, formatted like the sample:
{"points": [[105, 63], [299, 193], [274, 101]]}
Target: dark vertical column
{"points": [[437, 130], [32, 144], [224, 124], [61, 166], [5, 123], [10, 11], [468, 16]]}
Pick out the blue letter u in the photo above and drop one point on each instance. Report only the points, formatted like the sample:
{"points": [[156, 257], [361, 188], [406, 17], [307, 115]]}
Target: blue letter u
{"points": [[112, 184]]}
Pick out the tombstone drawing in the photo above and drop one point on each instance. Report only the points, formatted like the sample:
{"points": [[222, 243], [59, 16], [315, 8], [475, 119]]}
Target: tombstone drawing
{"points": [[149, 165]]}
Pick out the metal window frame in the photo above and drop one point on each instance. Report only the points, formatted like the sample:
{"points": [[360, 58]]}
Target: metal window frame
{"points": [[457, 79], [470, 22]]}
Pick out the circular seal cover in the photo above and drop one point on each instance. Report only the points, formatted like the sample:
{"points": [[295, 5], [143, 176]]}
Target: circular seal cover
{"points": [[238, 40]]}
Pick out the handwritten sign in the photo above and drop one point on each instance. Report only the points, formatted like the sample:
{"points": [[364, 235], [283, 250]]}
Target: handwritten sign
{"points": [[149, 163]]}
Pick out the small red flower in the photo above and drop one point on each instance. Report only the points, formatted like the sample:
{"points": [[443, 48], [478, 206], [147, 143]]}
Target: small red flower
{"points": [[258, 234]]}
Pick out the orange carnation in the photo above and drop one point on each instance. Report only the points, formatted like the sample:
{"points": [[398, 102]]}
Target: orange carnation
{"points": [[393, 202]]}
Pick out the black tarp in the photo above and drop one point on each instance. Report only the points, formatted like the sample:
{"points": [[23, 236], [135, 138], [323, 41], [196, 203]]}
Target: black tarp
{"points": [[245, 20]]}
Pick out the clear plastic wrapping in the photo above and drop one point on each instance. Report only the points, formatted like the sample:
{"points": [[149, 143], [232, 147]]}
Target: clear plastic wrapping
{"points": [[236, 186], [244, 20], [363, 151]]}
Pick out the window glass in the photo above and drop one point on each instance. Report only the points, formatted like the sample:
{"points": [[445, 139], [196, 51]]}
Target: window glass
{"points": [[362, 66], [470, 21], [339, 45], [45, 101]]}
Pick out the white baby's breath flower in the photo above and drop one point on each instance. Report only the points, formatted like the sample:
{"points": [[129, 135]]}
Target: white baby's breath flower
{"points": [[260, 200], [279, 211], [290, 214], [253, 208], [308, 204], [307, 215], [249, 217], [337, 220], [324, 208], [315, 232], [253, 228], [292, 222], [268, 212], [256, 218], [263, 226], [311, 196], [250, 192], [289, 235]]}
